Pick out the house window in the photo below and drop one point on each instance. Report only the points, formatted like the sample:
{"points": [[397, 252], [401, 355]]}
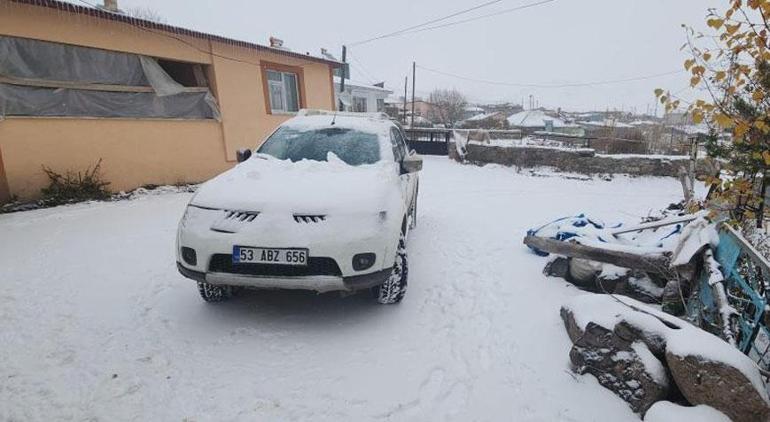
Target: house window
{"points": [[282, 88], [359, 104], [380, 104]]}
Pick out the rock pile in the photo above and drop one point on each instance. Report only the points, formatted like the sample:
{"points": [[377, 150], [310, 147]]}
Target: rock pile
{"points": [[646, 357]]}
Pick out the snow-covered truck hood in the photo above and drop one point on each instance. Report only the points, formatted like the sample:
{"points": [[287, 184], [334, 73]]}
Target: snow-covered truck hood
{"points": [[266, 184]]}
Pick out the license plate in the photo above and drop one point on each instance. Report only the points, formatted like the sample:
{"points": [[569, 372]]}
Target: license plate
{"points": [[281, 256]]}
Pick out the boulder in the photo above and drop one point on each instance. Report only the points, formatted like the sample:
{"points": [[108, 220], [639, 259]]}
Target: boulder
{"points": [[609, 277], [640, 287], [654, 341], [719, 385], [628, 369], [672, 299], [583, 272], [665, 411], [573, 330], [557, 267]]}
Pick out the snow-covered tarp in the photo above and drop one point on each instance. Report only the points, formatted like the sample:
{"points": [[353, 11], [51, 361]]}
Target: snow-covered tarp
{"points": [[684, 238]]}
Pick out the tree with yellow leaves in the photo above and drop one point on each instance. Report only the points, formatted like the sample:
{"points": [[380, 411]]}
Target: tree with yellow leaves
{"points": [[732, 64]]}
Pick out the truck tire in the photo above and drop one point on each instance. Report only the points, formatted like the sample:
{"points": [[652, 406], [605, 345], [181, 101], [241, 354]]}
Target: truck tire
{"points": [[212, 293], [394, 288]]}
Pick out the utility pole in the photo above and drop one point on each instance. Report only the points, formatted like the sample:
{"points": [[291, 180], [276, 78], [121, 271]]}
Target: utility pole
{"points": [[342, 78], [414, 71], [406, 83]]}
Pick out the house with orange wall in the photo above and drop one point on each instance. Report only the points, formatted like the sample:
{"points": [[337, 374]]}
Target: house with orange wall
{"points": [[157, 104]]}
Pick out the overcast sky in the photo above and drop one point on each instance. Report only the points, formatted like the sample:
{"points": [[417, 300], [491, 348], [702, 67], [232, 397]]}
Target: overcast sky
{"points": [[561, 42]]}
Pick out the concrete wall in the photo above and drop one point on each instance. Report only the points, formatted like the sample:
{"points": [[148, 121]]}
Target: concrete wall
{"points": [[583, 161], [142, 151]]}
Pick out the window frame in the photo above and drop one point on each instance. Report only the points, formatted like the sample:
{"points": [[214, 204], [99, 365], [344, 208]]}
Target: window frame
{"points": [[398, 144], [364, 101], [266, 86]]}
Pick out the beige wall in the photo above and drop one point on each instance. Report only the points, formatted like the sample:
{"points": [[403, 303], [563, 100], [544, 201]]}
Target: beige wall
{"points": [[5, 194], [134, 152], [142, 151]]}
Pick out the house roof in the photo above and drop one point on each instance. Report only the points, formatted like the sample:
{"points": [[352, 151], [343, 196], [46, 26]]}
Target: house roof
{"points": [[155, 26], [606, 123], [357, 84], [482, 116], [534, 118]]}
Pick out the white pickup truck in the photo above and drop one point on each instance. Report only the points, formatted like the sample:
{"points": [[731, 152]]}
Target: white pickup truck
{"points": [[324, 204]]}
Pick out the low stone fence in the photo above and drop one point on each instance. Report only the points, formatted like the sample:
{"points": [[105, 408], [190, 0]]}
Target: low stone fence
{"points": [[618, 146], [578, 160]]}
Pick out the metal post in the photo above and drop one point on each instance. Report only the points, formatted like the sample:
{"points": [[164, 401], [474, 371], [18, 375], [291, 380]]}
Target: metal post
{"points": [[414, 67], [406, 83], [342, 78]]}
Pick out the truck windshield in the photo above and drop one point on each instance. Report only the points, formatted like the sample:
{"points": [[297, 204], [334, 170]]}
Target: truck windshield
{"points": [[351, 146]]}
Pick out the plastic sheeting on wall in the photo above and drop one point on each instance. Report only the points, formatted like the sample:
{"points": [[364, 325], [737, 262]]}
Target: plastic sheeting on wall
{"points": [[33, 59], [33, 101], [24, 61]]}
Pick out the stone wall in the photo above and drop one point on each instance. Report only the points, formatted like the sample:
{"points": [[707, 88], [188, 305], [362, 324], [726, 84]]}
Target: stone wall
{"points": [[582, 160], [618, 146]]}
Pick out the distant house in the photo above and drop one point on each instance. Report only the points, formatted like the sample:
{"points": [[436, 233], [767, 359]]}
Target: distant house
{"points": [[611, 129], [530, 121], [494, 120], [472, 110], [505, 108], [421, 108], [361, 97]]}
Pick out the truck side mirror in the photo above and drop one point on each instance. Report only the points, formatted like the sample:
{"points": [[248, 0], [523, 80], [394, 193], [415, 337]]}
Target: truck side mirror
{"points": [[242, 155], [411, 164]]}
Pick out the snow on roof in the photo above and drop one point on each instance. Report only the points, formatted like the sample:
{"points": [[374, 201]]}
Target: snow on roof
{"points": [[643, 123], [534, 118], [473, 108], [358, 84], [481, 116], [606, 123], [696, 129]]}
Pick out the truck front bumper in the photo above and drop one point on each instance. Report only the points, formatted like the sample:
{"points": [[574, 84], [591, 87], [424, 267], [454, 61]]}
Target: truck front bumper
{"points": [[318, 283]]}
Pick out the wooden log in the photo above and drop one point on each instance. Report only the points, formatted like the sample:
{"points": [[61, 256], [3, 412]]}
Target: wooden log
{"points": [[654, 224], [650, 263]]}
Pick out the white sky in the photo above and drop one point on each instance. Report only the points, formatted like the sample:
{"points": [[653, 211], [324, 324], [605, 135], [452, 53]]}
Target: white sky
{"points": [[565, 41]]}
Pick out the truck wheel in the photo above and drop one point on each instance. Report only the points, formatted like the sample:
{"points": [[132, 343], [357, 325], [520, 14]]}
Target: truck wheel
{"points": [[394, 288], [213, 293]]}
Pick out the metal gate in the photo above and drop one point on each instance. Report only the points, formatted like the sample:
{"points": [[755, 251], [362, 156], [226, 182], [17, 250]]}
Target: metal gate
{"points": [[428, 141]]}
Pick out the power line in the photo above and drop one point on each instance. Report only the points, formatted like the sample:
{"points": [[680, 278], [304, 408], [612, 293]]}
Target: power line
{"points": [[365, 72], [400, 31], [567, 85], [502, 12]]}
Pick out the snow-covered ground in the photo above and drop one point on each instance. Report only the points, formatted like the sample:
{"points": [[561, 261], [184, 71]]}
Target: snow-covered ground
{"points": [[96, 323]]}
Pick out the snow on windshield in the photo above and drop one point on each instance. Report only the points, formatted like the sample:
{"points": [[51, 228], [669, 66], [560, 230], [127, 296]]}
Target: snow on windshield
{"points": [[366, 125], [352, 146]]}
